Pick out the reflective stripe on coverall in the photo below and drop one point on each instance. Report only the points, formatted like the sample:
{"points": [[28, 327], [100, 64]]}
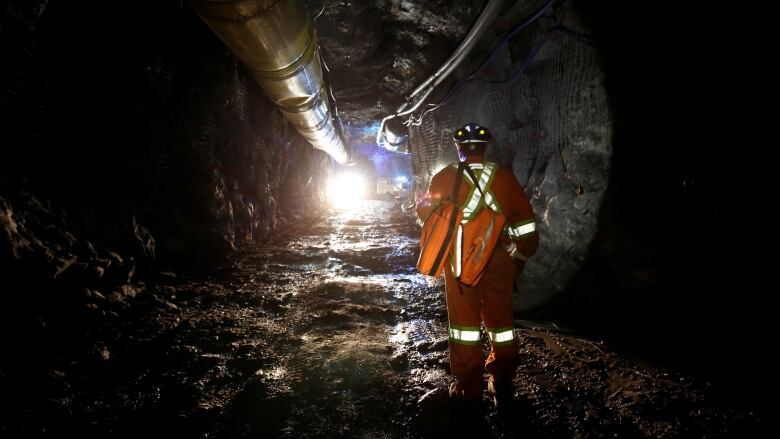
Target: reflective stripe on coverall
{"points": [[490, 301]]}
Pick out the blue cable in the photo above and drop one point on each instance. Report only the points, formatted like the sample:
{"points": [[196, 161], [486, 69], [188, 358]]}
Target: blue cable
{"points": [[493, 54], [523, 66], [581, 38], [559, 28], [511, 34]]}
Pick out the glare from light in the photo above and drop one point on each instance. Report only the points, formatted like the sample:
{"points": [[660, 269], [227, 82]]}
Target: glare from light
{"points": [[346, 190], [401, 179]]}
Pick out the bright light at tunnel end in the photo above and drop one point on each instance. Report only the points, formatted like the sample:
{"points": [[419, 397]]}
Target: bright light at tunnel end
{"points": [[346, 190]]}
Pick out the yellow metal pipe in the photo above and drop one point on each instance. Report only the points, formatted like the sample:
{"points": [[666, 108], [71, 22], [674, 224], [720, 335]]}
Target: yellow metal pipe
{"points": [[276, 40]]}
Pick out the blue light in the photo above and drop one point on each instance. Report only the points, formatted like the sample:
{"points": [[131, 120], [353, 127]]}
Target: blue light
{"points": [[401, 179]]}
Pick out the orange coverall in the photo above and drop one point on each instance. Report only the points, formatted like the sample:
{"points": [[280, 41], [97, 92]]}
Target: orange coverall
{"points": [[490, 301]]}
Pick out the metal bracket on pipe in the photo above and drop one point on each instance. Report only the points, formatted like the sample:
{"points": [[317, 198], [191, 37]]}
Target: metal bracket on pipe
{"points": [[485, 18]]}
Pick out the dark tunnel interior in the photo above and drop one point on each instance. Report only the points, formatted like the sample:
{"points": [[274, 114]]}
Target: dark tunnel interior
{"points": [[172, 259]]}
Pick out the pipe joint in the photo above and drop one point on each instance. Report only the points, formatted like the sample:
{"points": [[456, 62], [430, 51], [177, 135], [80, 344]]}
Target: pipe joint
{"points": [[276, 40]]}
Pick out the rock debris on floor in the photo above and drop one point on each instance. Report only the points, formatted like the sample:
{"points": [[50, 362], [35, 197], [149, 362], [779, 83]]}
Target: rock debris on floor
{"points": [[328, 331]]}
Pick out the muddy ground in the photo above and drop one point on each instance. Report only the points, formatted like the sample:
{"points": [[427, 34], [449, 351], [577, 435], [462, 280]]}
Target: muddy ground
{"points": [[328, 331]]}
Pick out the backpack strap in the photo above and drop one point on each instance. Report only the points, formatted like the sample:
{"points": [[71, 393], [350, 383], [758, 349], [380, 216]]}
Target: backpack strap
{"points": [[461, 166], [451, 225], [484, 197], [476, 182]]}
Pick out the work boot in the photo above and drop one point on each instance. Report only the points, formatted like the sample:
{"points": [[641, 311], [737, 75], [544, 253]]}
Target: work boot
{"points": [[467, 391], [501, 392], [454, 393], [469, 407]]}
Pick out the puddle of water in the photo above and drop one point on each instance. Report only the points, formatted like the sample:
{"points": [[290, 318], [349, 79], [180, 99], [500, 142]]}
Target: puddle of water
{"points": [[416, 332], [274, 373]]}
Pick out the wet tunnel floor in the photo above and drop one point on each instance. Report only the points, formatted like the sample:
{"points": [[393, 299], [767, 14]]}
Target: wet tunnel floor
{"points": [[329, 332]]}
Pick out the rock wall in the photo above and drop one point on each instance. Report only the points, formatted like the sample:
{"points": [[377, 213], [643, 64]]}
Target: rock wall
{"points": [[134, 143]]}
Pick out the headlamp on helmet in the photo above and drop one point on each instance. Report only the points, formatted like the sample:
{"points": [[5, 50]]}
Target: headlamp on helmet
{"points": [[471, 133]]}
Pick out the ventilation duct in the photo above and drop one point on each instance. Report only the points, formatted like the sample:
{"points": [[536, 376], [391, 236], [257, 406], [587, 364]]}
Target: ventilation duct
{"points": [[276, 40]]}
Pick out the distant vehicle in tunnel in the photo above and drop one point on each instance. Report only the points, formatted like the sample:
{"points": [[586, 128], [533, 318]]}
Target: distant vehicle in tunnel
{"points": [[384, 187], [398, 189], [402, 189]]}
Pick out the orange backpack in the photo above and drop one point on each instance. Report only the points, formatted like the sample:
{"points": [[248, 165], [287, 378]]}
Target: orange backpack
{"points": [[468, 244], [476, 237], [437, 231]]}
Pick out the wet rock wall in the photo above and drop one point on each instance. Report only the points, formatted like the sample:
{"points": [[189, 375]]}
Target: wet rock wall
{"points": [[134, 143]]}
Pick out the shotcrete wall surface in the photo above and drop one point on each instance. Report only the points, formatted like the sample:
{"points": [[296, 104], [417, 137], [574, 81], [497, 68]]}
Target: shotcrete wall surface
{"points": [[550, 124]]}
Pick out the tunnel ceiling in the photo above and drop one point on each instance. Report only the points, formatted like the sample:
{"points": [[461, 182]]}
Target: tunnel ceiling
{"points": [[378, 51]]}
